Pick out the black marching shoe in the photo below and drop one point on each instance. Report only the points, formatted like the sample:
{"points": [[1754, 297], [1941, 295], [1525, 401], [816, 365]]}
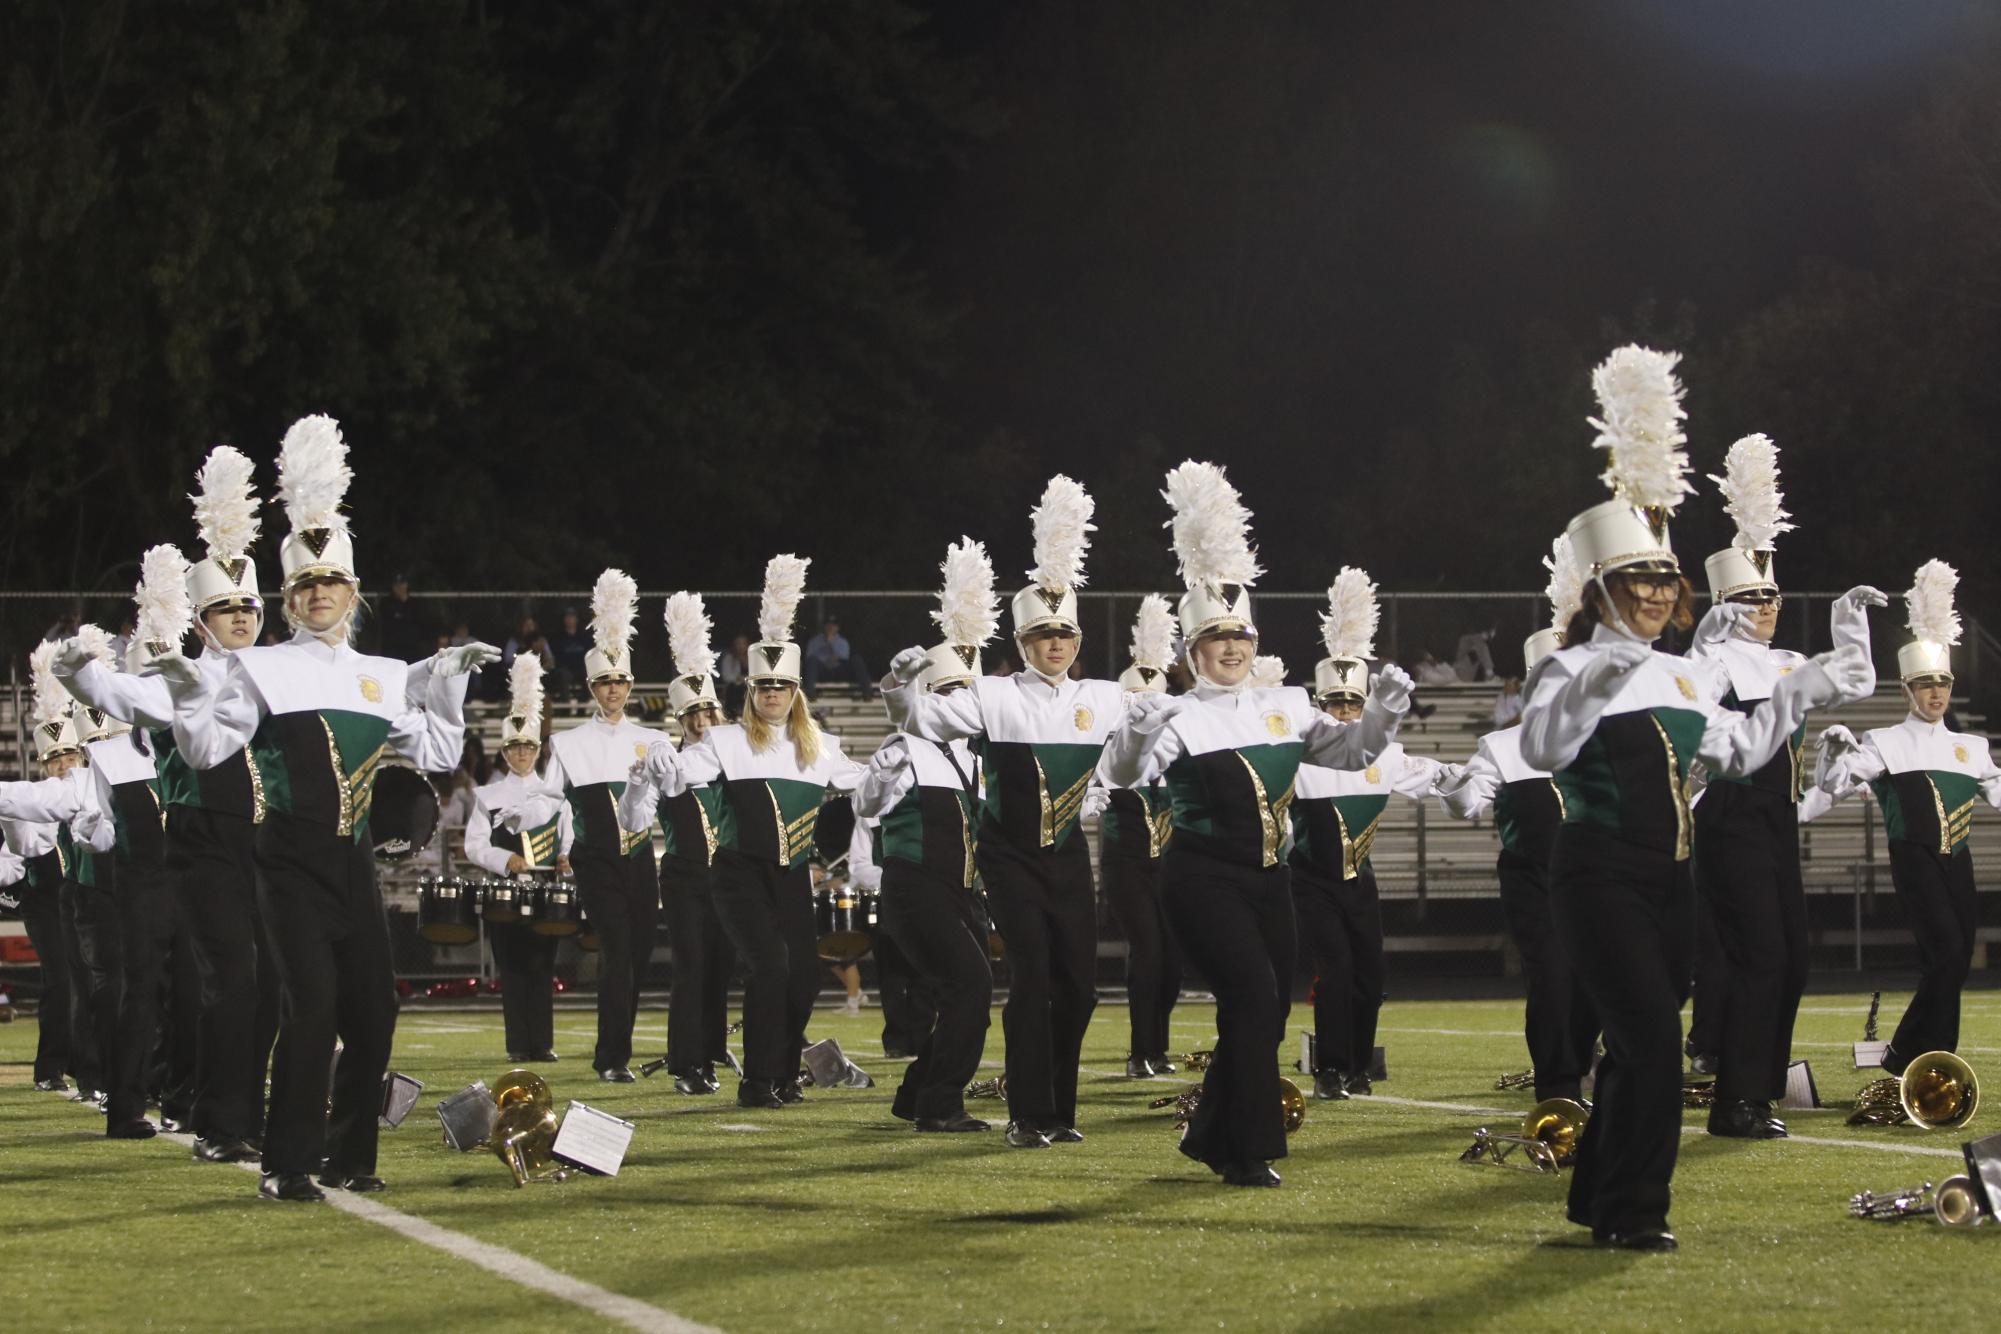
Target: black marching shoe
{"points": [[1700, 1062], [1161, 1065], [222, 1149], [1330, 1085], [56, 1085], [1250, 1174], [756, 1093], [947, 1125], [618, 1074], [1064, 1135], [358, 1184], [788, 1091], [1138, 1067], [1020, 1136], [544, 1056], [709, 1077], [518, 1058], [138, 1128], [1639, 1239], [1359, 1086], [693, 1085], [296, 1187], [1741, 1118]]}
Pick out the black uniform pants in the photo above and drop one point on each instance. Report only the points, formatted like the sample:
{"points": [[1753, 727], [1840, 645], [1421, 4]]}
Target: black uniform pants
{"points": [[42, 914], [1341, 923], [330, 942], [1560, 1023], [909, 1005], [144, 903], [1237, 926], [90, 939], [177, 1051], [1940, 903], [213, 860], [704, 958], [1042, 905], [935, 923], [1153, 963], [1711, 970], [621, 896], [1625, 915], [524, 960], [1747, 870], [767, 909]]}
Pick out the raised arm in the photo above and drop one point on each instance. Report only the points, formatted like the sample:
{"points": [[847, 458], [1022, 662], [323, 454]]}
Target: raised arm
{"points": [[1421, 776], [1737, 743], [1468, 794], [430, 732], [640, 802], [885, 781], [141, 701], [1144, 744], [47, 801], [1356, 745], [1564, 705], [213, 719], [934, 717]]}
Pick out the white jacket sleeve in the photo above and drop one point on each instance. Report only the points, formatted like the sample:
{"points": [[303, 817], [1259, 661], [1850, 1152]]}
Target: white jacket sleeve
{"points": [[1355, 745], [1469, 793], [1421, 776], [13, 870], [638, 804], [932, 716], [95, 825], [566, 832], [431, 730], [1564, 705], [141, 701], [45, 801], [480, 850], [1141, 748], [214, 720], [886, 780], [863, 873]]}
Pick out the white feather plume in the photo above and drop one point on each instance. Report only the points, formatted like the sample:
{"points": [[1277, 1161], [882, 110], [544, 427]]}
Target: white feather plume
{"points": [[1063, 528], [1267, 671], [1348, 626], [778, 605], [1212, 529], [313, 474], [165, 611], [688, 633], [1639, 423], [1153, 633], [968, 610], [51, 700], [614, 603], [225, 503], [1750, 487], [524, 687], [1930, 601], [97, 642], [1565, 590]]}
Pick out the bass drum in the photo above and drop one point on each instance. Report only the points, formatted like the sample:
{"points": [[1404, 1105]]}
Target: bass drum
{"points": [[446, 911], [500, 901], [402, 813], [557, 912], [844, 936]]}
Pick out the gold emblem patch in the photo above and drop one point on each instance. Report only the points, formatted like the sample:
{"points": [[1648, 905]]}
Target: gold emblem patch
{"points": [[1959, 753], [639, 750], [1687, 687], [1373, 774], [371, 689], [1083, 719], [1278, 724]]}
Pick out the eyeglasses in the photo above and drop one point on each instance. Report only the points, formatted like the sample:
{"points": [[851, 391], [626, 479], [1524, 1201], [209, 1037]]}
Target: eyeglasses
{"points": [[1654, 587], [1772, 600]]}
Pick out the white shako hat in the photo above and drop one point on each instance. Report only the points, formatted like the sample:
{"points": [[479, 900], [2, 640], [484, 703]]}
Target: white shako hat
{"points": [[968, 615], [1639, 402], [1212, 543], [165, 606], [1063, 527], [614, 603], [688, 632], [1565, 592], [522, 725], [1153, 645], [774, 658], [313, 478], [226, 515], [1933, 622], [1348, 629], [55, 730], [1750, 487]]}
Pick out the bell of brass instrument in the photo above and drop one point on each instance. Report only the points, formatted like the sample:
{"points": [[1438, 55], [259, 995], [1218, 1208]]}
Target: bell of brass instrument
{"points": [[1957, 1203], [1937, 1090], [1520, 1080], [525, 1139], [1292, 1104], [1547, 1142], [518, 1086], [988, 1088]]}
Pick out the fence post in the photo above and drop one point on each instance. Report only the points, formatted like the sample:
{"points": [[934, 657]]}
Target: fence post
{"points": [[1869, 849], [1423, 883], [1855, 888]]}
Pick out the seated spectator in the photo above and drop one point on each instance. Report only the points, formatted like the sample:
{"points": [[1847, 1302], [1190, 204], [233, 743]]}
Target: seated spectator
{"points": [[828, 657], [1474, 658], [566, 651], [1508, 704], [1431, 672]]}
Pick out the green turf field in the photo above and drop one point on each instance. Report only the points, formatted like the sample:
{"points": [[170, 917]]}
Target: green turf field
{"points": [[832, 1215]]}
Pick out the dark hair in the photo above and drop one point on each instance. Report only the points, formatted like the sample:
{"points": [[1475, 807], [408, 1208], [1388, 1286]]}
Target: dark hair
{"points": [[1588, 616]]}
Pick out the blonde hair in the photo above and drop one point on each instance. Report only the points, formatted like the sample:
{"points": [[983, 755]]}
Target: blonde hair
{"points": [[799, 727]]}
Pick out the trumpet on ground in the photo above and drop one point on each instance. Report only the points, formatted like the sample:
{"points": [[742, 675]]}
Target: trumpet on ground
{"points": [[1955, 1202], [1547, 1140], [1292, 1105], [1936, 1090], [1519, 1080], [988, 1088]]}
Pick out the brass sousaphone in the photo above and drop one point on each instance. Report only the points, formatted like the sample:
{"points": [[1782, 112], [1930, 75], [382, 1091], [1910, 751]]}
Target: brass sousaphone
{"points": [[525, 1135], [1937, 1091], [1547, 1142]]}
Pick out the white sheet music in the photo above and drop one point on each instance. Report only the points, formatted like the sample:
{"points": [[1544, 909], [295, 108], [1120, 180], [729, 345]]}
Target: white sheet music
{"points": [[593, 1139]]}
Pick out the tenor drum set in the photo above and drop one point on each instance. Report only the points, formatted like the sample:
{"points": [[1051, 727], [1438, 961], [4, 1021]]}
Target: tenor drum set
{"points": [[845, 917], [450, 908]]}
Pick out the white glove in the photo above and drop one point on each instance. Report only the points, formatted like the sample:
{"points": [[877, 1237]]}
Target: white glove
{"points": [[907, 665], [1720, 622], [1390, 687], [1147, 711], [71, 656], [1848, 619], [174, 668], [1607, 669], [1835, 742], [1844, 673], [658, 762], [450, 662], [1096, 799], [639, 773]]}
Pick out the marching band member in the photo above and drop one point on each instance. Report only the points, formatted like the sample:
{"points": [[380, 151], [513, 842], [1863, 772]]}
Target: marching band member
{"points": [[1039, 735], [616, 876], [1229, 754], [1132, 833], [774, 769], [923, 796], [518, 827], [1926, 779], [1619, 724], [1560, 1025], [698, 1009], [1747, 848], [211, 814], [319, 717], [1335, 813]]}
